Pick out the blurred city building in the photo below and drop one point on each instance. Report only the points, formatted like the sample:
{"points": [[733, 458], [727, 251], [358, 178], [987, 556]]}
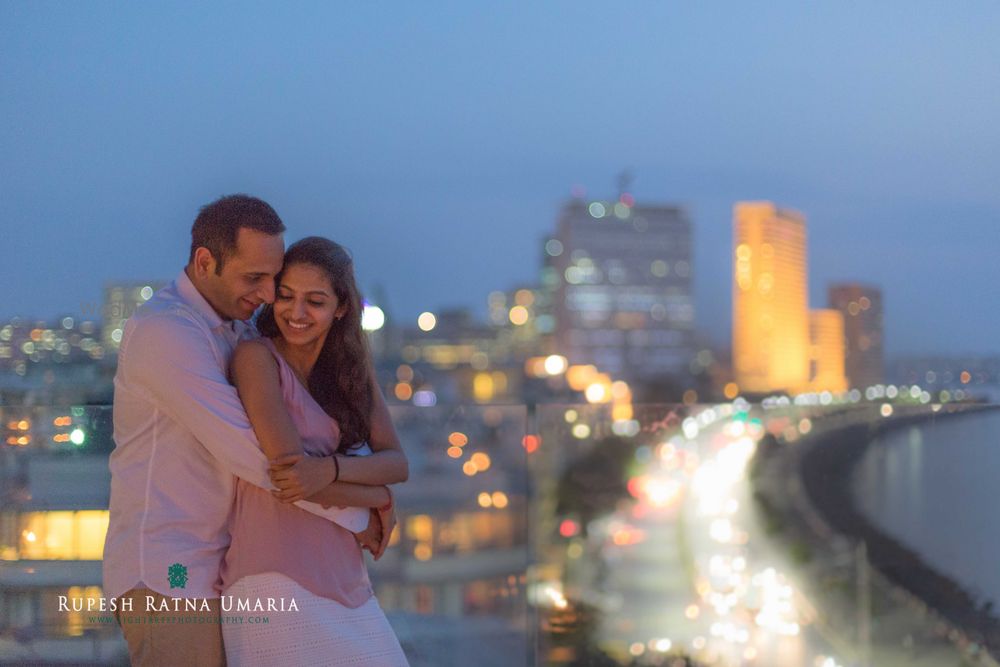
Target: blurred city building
{"points": [[52, 362], [453, 338], [524, 320], [622, 296], [67, 340], [120, 301], [53, 519], [826, 334], [771, 341], [451, 357], [861, 306]]}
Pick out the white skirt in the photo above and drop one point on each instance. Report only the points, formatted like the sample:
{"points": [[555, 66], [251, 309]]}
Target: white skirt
{"points": [[322, 632]]}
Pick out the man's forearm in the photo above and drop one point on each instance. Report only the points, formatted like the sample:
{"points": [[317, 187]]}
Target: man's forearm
{"points": [[346, 494]]}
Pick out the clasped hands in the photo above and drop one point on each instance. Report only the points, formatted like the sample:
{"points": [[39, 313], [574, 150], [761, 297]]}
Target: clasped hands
{"points": [[297, 477]]}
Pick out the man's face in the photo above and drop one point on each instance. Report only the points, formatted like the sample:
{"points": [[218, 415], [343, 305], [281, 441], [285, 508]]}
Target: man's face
{"points": [[247, 278]]}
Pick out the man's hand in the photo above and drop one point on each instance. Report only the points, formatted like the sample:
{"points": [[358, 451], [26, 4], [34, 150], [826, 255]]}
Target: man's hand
{"points": [[371, 537], [298, 477], [387, 519]]}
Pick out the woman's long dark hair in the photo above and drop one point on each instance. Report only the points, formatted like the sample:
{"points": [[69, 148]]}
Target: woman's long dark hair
{"points": [[341, 380]]}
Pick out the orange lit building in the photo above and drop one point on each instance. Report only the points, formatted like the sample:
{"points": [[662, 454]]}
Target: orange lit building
{"points": [[826, 329], [771, 342]]}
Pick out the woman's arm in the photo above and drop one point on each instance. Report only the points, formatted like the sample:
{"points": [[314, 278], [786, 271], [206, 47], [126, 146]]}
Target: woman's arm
{"points": [[388, 464], [254, 371]]}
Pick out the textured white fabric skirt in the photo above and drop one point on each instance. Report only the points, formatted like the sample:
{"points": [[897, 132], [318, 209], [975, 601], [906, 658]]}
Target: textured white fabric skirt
{"points": [[322, 632]]}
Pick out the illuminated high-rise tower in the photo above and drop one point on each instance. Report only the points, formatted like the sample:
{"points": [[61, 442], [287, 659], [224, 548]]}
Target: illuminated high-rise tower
{"points": [[771, 341], [826, 331], [862, 310], [622, 277]]}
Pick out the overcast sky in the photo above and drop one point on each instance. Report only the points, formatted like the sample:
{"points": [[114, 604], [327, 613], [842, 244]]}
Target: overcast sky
{"points": [[438, 141]]}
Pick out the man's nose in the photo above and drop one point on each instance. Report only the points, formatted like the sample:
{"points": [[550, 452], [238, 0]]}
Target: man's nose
{"points": [[266, 292]]}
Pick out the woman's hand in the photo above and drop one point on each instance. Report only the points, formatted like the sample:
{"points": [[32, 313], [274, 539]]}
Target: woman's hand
{"points": [[298, 477], [371, 537], [387, 519]]}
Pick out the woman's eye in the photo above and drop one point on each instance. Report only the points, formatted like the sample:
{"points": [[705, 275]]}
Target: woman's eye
{"points": [[316, 303], [283, 297]]}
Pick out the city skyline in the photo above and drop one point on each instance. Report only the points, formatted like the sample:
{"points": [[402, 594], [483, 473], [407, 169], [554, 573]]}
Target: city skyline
{"points": [[462, 132], [96, 311]]}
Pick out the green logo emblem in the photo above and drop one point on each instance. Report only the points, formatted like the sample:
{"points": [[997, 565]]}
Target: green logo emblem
{"points": [[178, 575]]}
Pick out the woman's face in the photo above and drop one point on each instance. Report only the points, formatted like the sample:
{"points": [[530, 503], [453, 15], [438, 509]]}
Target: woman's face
{"points": [[305, 304]]}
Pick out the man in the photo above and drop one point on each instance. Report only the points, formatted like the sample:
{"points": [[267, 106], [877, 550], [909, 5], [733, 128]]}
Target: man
{"points": [[181, 434]]}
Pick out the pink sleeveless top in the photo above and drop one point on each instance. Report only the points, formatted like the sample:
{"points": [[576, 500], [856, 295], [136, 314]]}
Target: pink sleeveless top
{"points": [[270, 536]]}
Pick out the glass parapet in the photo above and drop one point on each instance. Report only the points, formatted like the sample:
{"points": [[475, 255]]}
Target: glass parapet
{"points": [[734, 534], [784, 534], [452, 584]]}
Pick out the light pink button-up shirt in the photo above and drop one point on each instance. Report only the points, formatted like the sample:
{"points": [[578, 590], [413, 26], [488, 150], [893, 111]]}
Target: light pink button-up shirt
{"points": [[181, 434]]}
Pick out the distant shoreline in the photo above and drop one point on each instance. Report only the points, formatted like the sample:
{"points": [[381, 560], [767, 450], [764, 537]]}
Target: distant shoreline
{"points": [[826, 469]]}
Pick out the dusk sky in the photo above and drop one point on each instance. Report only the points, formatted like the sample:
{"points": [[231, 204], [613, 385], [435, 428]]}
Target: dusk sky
{"points": [[439, 140]]}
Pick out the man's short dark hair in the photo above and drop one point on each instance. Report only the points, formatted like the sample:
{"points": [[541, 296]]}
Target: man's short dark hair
{"points": [[218, 225]]}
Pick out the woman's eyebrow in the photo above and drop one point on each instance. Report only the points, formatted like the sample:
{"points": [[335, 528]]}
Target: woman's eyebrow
{"points": [[315, 291]]}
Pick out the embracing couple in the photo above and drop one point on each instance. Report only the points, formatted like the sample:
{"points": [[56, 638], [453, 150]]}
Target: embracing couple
{"points": [[251, 461]]}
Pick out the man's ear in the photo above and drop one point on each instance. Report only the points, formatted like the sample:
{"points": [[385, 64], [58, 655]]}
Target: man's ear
{"points": [[204, 263]]}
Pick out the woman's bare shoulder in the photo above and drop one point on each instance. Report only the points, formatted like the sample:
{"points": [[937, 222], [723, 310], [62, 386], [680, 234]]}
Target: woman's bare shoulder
{"points": [[253, 356]]}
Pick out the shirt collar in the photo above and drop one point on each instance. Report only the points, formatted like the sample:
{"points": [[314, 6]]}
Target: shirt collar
{"points": [[190, 294]]}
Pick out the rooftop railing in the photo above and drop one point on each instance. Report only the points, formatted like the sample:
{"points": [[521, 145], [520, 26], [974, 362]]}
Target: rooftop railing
{"points": [[827, 533]]}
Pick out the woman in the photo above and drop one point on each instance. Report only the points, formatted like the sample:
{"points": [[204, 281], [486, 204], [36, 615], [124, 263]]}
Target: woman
{"points": [[309, 378]]}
